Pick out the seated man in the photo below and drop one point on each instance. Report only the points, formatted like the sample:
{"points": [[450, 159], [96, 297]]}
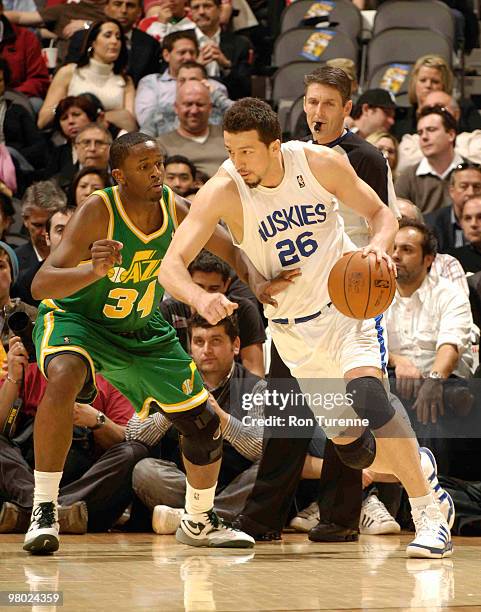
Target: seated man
{"points": [[427, 182], [157, 91], [40, 201], [99, 463], [195, 137], [160, 483], [469, 255], [163, 118], [180, 175], [373, 112], [91, 148], [213, 275], [428, 324], [226, 55]]}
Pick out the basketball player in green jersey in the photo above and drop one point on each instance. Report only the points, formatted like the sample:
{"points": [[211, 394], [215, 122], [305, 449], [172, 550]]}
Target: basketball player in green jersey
{"points": [[99, 314]]}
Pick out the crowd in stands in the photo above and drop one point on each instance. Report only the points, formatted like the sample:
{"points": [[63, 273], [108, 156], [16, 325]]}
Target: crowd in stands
{"points": [[171, 68]]}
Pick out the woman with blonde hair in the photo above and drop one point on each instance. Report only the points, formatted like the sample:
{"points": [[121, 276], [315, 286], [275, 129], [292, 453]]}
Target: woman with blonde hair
{"points": [[432, 73], [388, 145]]}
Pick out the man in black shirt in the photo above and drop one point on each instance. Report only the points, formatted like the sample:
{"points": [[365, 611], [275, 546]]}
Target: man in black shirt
{"points": [[469, 255], [327, 105]]}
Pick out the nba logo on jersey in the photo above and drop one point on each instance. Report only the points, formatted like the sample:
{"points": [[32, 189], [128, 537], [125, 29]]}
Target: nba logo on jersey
{"points": [[300, 180]]}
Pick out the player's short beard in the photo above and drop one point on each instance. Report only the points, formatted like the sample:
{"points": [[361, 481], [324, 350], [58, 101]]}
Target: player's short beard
{"points": [[253, 184]]}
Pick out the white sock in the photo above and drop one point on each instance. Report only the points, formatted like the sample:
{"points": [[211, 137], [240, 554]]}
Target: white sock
{"points": [[199, 500], [46, 487], [419, 502]]}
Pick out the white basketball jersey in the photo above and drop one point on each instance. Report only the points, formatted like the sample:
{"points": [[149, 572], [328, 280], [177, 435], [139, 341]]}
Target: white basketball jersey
{"points": [[293, 225]]}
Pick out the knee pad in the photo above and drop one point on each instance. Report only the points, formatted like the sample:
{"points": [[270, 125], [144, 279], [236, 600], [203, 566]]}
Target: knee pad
{"points": [[359, 454], [201, 434], [370, 401]]}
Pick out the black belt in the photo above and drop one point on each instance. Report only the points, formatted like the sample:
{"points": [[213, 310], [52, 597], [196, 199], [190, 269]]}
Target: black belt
{"points": [[302, 319]]}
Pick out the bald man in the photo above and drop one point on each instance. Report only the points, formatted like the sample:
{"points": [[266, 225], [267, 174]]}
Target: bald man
{"points": [[195, 138]]}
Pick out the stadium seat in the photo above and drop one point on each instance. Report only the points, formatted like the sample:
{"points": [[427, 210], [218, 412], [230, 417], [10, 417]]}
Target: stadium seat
{"points": [[344, 13], [287, 85], [395, 78]]}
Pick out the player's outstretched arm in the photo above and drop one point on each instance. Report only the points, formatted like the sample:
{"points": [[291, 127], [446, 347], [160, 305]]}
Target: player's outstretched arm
{"points": [[191, 236], [339, 178], [84, 240]]}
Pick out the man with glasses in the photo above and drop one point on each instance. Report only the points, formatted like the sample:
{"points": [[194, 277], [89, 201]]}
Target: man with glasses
{"points": [[464, 183], [91, 149], [427, 183]]}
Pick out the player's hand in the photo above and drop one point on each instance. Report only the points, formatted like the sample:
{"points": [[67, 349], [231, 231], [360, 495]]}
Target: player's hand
{"points": [[224, 417], [380, 255], [429, 403], [105, 255], [17, 358], [408, 378], [264, 291], [214, 307]]}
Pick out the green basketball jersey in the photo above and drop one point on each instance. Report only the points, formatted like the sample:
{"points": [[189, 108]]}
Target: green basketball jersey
{"points": [[129, 295]]}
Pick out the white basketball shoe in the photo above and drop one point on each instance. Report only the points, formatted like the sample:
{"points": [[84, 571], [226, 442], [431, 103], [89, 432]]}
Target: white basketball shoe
{"points": [[208, 530], [445, 501], [42, 535]]}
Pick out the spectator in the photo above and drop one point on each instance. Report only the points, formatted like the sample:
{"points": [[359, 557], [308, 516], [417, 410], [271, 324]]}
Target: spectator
{"points": [[373, 112], [61, 19], [97, 475], [429, 323], [143, 50], [464, 183], [470, 220], [9, 271], [164, 119], [468, 144], [202, 143], [99, 71], [444, 265], [164, 17], [18, 132], [388, 145], [72, 114], [427, 183], [213, 275], [432, 73], [40, 201], [214, 348], [226, 55], [92, 147], [180, 175], [7, 213], [85, 183], [158, 91], [21, 50]]}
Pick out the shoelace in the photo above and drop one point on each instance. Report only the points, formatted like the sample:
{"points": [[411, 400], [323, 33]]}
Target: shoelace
{"points": [[426, 520], [44, 515], [377, 509]]}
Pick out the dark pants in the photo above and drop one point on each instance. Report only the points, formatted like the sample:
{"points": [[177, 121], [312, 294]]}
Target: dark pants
{"points": [[106, 487], [280, 472]]}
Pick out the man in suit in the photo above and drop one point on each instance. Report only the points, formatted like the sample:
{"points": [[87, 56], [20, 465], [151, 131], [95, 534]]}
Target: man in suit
{"points": [[226, 56], [40, 201], [464, 183], [144, 51]]}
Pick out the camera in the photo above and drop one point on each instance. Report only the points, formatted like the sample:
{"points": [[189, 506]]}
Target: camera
{"points": [[19, 323]]}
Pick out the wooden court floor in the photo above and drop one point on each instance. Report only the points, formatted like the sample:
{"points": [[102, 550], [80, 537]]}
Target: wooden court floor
{"points": [[115, 572]]}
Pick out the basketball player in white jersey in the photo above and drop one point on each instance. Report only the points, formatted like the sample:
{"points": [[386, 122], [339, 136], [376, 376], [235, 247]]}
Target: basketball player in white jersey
{"points": [[280, 205]]}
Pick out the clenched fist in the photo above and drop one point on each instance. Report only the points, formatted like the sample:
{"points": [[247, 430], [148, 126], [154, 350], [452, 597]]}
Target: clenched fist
{"points": [[214, 307], [105, 255]]}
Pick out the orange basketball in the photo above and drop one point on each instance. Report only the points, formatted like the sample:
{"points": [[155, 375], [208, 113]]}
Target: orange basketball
{"points": [[361, 288]]}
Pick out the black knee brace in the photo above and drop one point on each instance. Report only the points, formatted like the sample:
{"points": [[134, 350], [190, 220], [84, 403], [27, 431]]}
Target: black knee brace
{"points": [[359, 454], [370, 401], [201, 434]]}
